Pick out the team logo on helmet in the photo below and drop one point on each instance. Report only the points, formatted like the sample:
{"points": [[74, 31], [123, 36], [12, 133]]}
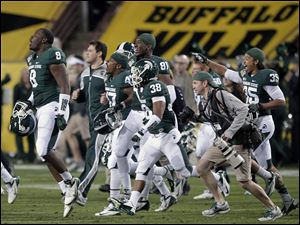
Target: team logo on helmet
{"points": [[143, 71], [22, 121]]}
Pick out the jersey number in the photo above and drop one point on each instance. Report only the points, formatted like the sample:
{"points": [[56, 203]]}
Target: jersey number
{"points": [[164, 66], [154, 88], [112, 98], [58, 55], [32, 79], [274, 78], [252, 97]]}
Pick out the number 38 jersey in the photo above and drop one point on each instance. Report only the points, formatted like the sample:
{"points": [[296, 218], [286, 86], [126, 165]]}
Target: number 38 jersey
{"points": [[44, 86], [253, 87], [157, 89]]}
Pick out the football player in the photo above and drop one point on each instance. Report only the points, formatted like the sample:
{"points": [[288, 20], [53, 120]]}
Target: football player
{"points": [[263, 94], [50, 97], [119, 94], [91, 87], [163, 136], [143, 48]]}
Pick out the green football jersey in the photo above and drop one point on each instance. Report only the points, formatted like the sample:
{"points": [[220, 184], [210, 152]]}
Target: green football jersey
{"points": [[145, 94], [114, 90], [253, 86], [44, 86]]}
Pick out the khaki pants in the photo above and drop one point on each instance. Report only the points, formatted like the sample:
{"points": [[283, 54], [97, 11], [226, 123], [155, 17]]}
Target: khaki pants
{"points": [[243, 173]]}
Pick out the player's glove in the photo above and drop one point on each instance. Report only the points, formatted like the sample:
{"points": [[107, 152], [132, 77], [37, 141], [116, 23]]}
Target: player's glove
{"points": [[254, 107], [61, 122], [119, 106], [137, 136], [200, 57]]}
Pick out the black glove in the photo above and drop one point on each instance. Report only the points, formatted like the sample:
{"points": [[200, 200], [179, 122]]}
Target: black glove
{"points": [[200, 57], [28, 103], [137, 136], [61, 122], [6, 79], [254, 107], [119, 107], [186, 114]]}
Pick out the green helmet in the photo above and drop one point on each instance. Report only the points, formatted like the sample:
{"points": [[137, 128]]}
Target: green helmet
{"points": [[143, 71]]}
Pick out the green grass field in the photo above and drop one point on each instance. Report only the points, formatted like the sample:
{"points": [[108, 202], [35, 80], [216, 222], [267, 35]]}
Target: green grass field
{"points": [[39, 201]]}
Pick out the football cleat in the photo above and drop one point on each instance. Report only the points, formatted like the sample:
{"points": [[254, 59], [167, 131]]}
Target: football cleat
{"points": [[271, 214], [205, 195], [143, 205], [12, 189], [110, 210], [289, 206], [216, 209], [166, 203]]}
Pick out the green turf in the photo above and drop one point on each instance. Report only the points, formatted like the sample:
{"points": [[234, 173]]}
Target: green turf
{"points": [[37, 205]]}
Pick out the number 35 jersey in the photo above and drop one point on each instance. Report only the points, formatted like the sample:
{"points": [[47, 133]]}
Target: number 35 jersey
{"points": [[157, 89], [44, 86], [253, 87]]}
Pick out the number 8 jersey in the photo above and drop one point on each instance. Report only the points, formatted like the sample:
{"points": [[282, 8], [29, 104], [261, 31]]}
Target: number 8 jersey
{"points": [[44, 86]]}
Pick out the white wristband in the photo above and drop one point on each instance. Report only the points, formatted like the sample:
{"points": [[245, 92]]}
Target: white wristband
{"points": [[63, 103]]}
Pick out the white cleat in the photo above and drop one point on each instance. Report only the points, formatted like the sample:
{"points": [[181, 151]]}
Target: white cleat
{"points": [[68, 209], [12, 189], [110, 210], [166, 203], [80, 199], [72, 191], [205, 195], [71, 196], [178, 190]]}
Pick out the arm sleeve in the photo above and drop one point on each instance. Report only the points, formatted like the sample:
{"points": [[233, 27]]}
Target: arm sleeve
{"points": [[233, 76], [274, 92]]}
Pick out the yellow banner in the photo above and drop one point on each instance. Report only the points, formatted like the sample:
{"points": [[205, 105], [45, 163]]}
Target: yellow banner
{"points": [[215, 26], [20, 19]]}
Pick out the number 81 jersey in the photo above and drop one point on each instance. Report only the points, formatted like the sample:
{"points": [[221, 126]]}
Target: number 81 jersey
{"points": [[253, 87], [44, 86]]}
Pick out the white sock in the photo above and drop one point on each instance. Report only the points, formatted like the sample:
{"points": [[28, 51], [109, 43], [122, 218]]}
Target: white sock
{"points": [[125, 179], [134, 198], [115, 183], [66, 176], [5, 174], [146, 190], [161, 186], [159, 171], [62, 186], [194, 172], [263, 173]]}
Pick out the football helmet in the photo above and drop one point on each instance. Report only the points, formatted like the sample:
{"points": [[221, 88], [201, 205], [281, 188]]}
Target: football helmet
{"points": [[143, 71], [22, 121], [126, 48], [107, 120]]}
